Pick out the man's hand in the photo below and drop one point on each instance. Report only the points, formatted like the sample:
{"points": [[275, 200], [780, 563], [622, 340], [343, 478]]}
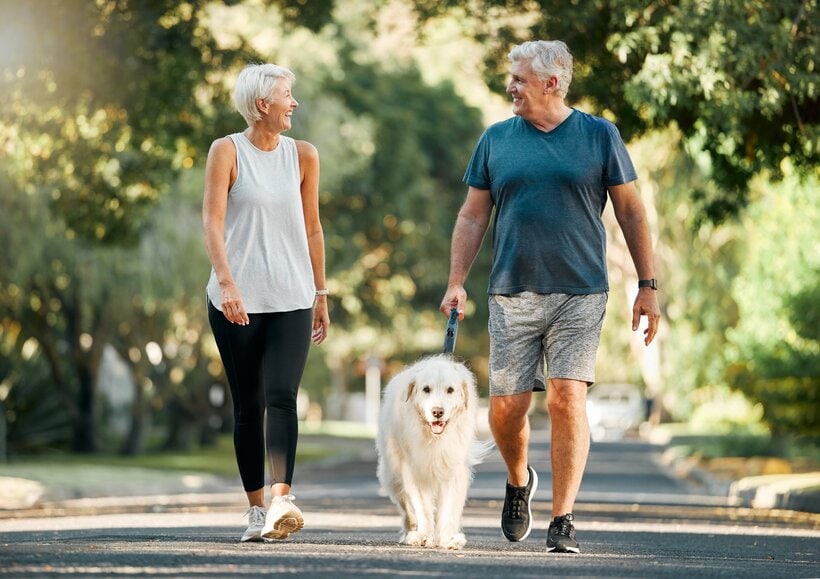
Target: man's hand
{"points": [[646, 304], [455, 297]]}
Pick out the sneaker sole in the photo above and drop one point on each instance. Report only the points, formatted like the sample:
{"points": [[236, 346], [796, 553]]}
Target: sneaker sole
{"points": [[251, 539], [284, 527], [575, 550], [529, 509]]}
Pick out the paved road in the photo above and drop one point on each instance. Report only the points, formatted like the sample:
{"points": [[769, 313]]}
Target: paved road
{"points": [[633, 520]]}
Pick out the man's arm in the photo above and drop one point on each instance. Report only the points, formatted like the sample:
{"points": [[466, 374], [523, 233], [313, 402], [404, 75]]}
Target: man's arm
{"points": [[631, 216], [468, 233]]}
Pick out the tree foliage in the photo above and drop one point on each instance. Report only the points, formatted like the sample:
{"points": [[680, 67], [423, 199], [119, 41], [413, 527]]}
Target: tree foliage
{"points": [[736, 77], [390, 210], [774, 356], [104, 102], [94, 163], [110, 105]]}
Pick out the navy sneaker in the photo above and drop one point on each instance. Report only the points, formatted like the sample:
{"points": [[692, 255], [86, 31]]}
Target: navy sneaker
{"points": [[561, 535], [516, 518]]}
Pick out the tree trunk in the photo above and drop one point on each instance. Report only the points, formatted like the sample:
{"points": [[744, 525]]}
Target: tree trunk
{"points": [[132, 445]]}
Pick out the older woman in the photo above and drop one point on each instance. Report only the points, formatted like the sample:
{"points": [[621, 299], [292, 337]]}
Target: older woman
{"points": [[267, 298]]}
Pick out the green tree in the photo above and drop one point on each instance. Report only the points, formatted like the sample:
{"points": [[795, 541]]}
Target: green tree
{"points": [[104, 103], [91, 158], [389, 222], [774, 354], [736, 77], [393, 147], [53, 299]]}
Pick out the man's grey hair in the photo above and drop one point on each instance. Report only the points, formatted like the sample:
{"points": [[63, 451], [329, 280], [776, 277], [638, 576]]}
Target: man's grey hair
{"points": [[547, 58], [256, 81]]}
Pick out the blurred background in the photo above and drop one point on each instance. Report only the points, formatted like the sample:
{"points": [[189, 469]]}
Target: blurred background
{"points": [[109, 108]]}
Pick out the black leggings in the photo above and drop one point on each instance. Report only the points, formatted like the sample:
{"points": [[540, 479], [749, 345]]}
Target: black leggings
{"points": [[264, 362]]}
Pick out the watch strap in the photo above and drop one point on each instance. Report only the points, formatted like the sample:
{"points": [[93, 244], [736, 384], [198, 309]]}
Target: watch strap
{"points": [[652, 283]]}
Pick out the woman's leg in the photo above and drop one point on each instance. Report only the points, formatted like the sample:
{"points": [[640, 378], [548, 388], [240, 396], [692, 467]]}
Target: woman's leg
{"points": [[240, 348], [287, 343]]}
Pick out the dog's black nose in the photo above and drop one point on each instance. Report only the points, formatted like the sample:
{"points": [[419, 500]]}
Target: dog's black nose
{"points": [[438, 413]]}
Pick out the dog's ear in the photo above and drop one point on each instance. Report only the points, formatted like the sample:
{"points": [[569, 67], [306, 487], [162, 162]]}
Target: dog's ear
{"points": [[467, 385], [410, 390]]}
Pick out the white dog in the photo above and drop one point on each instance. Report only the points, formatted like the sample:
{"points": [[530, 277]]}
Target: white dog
{"points": [[427, 447]]}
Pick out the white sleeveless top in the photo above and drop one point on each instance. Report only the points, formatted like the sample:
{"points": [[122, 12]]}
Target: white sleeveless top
{"points": [[265, 234]]}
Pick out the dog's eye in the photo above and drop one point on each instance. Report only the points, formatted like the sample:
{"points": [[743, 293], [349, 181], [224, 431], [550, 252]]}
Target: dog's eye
{"points": [[450, 390], [426, 390]]}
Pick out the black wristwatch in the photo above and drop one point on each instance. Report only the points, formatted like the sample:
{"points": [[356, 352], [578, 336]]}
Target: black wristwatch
{"points": [[653, 283]]}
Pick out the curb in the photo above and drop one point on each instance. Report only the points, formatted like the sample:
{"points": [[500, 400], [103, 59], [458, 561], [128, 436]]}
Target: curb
{"points": [[181, 503], [799, 492], [796, 492]]}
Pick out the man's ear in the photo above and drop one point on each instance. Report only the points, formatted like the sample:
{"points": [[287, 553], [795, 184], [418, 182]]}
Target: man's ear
{"points": [[410, 391]]}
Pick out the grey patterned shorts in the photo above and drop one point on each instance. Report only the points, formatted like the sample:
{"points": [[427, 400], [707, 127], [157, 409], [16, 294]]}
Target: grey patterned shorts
{"points": [[526, 328]]}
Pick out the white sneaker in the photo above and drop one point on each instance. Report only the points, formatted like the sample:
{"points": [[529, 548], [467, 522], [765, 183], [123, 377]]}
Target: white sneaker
{"points": [[283, 518], [256, 521]]}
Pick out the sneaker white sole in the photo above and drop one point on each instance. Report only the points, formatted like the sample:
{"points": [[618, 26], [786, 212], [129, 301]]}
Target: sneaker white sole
{"points": [[284, 526], [529, 502], [255, 538]]}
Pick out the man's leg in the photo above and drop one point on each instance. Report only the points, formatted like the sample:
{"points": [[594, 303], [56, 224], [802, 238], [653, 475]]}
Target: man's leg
{"points": [[511, 430], [569, 446], [517, 325]]}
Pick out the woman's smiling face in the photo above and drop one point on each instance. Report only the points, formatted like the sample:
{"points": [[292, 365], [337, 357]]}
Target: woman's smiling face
{"points": [[281, 105]]}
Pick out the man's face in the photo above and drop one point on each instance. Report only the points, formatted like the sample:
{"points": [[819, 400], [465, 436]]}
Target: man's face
{"points": [[526, 89]]}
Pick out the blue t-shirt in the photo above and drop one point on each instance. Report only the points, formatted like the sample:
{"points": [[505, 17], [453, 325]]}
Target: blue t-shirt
{"points": [[549, 191]]}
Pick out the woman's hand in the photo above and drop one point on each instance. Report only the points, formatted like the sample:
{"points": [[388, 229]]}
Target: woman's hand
{"points": [[321, 320], [233, 307]]}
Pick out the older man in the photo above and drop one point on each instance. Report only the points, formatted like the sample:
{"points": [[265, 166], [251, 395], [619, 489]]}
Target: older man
{"points": [[547, 171]]}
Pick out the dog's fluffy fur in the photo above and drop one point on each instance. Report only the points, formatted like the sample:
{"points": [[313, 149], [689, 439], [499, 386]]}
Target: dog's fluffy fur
{"points": [[427, 448]]}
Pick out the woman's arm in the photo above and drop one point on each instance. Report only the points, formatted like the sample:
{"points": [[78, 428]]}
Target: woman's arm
{"points": [[220, 173], [309, 169]]}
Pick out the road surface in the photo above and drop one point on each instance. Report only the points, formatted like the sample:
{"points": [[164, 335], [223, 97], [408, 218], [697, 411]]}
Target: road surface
{"points": [[633, 520]]}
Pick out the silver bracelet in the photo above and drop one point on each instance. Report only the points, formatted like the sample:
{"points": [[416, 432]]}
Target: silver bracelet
{"points": [[322, 292]]}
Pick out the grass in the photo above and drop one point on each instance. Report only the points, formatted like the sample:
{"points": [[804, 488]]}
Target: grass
{"points": [[218, 459], [740, 445]]}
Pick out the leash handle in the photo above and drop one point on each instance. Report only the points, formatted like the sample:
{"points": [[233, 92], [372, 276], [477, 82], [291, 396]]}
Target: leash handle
{"points": [[451, 333]]}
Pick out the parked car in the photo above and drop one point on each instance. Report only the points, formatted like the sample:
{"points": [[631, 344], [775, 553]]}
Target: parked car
{"points": [[614, 410]]}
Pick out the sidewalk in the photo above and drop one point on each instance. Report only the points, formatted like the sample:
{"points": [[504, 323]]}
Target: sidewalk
{"points": [[758, 482], [49, 490], [46, 490]]}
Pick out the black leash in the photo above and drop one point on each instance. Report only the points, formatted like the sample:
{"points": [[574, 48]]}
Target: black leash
{"points": [[452, 332]]}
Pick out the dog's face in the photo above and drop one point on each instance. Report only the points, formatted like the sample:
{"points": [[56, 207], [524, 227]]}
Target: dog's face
{"points": [[439, 391]]}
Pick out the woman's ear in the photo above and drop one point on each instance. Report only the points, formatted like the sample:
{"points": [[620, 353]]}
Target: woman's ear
{"points": [[262, 106]]}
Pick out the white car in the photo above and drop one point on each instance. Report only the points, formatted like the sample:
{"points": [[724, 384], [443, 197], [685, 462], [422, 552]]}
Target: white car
{"points": [[614, 410]]}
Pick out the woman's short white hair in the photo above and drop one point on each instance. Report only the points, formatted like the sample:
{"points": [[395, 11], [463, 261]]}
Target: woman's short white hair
{"points": [[256, 81], [547, 58]]}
